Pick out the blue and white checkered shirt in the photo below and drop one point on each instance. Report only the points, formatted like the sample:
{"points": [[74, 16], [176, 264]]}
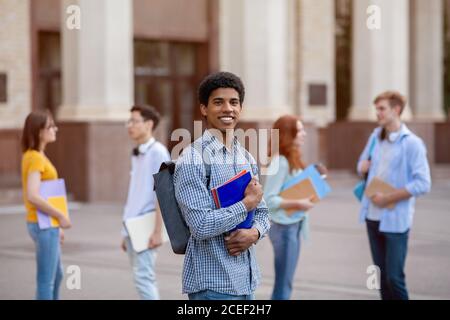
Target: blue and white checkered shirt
{"points": [[207, 264]]}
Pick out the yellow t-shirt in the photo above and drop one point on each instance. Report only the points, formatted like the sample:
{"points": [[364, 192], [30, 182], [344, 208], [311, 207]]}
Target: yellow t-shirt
{"points": [[32, 161]]}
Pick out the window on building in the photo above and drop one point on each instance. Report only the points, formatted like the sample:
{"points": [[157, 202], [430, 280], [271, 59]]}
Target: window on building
{"points": [[343, 58], [166, 77], [3, 88], [49, 81]]}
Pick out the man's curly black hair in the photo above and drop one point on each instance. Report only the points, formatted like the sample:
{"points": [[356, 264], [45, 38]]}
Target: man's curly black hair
{"points": [[220, 80]]}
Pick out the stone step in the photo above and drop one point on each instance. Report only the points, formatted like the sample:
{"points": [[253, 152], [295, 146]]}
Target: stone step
{"points": [[441, 171], [9, 196]]}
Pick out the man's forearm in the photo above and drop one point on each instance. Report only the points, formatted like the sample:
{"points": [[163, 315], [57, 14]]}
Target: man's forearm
{"points": [[256, 234], [397, 196], [216, 222], [158, 220], [262, 221]]}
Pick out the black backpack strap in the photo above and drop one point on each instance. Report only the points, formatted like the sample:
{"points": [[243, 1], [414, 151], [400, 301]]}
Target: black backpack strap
{"points": [[166, 165], [169, 165], [207, 163]]}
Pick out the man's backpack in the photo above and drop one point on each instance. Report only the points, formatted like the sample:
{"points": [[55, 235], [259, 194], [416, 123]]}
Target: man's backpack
{"points": [[176, 226]]}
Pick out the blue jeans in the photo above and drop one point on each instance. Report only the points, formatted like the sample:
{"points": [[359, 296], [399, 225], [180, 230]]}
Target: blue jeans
{"points": [[48, 261], [144, 275], [286, 246], [213, 295], [389, 254]]}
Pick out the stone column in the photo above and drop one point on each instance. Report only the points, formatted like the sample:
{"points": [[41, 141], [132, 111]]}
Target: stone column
{"points": [[316, 53], [254, 44], [15, 62], [93, 149], [426, 94], [98, 61], [380, 56]]}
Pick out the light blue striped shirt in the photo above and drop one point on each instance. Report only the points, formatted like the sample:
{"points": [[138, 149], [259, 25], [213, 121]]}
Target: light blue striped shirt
{"points": [[207, 263], [407, 169]]}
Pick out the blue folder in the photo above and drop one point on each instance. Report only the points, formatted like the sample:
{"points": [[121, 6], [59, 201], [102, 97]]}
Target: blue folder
{"points": [[320, 185], [233, 192]]}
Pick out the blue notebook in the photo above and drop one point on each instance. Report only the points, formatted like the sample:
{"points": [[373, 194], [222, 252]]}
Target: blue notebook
{"points": [[320, 185], [232, 192]]}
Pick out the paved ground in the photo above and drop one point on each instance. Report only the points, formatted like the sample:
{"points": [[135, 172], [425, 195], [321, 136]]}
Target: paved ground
{"points": [[332, 265]]}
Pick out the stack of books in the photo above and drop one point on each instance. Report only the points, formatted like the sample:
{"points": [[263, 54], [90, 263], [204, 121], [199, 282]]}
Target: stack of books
{"points": [[233, 191], [377, 185], [308, 184], [54, 192]]}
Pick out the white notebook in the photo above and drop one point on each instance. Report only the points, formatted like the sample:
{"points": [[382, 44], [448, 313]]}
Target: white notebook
{"points": [[140, 229]]}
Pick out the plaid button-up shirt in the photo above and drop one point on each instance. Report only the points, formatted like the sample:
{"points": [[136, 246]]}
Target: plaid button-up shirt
{"points": [[207, 264]]}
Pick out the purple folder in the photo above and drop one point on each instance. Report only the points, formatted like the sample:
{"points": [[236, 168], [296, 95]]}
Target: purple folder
{"points": [[50, 189]]}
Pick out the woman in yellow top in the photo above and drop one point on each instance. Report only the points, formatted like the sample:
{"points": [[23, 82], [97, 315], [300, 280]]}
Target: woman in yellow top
{"points": [[39, 130]]}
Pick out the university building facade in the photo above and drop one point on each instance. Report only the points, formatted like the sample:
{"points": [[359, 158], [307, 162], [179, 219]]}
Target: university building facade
{"points": [[314, 58]]}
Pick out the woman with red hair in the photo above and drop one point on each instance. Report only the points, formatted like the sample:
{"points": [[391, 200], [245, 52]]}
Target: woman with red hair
{"points": [[285, 231]]}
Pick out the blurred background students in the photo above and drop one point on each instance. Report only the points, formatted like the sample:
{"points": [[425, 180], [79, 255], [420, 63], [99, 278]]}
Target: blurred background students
{"points": [[146, 159], [399, 159], [40, 130], [285, 229]]}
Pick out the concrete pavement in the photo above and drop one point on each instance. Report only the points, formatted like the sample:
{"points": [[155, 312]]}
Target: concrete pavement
{"points": [[332, 264]]}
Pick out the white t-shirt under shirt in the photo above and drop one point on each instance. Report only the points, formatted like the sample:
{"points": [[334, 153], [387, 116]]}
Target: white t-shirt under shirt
{"points": [[386, 149], [141, 196]]}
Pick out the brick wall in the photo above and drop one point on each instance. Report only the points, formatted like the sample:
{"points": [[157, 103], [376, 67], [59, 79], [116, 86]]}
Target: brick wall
{"points": [[15, 61]]}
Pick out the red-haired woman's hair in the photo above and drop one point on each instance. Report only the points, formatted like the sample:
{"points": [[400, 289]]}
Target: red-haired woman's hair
{"points": [[287, 128]]}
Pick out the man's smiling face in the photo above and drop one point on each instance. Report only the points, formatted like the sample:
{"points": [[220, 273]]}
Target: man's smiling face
{"points": [[223, 109]]}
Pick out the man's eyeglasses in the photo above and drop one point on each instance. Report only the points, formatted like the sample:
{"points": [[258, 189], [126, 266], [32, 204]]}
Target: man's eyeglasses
{"points": [[134, 122]]}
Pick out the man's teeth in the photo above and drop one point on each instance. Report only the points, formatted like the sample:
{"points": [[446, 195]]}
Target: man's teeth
{"points": [[226, 118]]}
